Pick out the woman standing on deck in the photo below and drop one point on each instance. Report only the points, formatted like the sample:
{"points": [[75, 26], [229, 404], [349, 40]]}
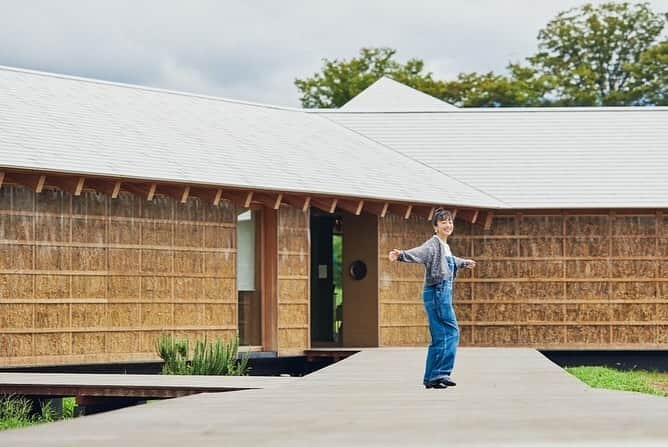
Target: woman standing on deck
{"points": [[440, 271]]}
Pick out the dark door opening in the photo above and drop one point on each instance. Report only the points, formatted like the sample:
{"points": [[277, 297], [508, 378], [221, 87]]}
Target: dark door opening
{"points": [[326, 283]]}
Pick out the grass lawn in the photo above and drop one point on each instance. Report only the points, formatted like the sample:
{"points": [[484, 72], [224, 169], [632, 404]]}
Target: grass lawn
{"points": [[648, 382]]}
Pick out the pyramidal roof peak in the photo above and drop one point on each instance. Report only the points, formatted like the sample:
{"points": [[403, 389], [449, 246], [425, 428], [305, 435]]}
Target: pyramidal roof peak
{"points": [[388, 95]]}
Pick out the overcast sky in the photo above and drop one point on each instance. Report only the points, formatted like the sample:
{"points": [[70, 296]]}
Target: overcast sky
{"points": [[253, 50]]}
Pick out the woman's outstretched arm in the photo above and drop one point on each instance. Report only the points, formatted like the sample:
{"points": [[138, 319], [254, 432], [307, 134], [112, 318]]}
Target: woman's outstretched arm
{"points": [[418, 255]]}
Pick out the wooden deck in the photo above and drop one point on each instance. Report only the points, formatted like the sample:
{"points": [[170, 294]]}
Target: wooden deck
{"points": [[128, 385], [375, 397]]}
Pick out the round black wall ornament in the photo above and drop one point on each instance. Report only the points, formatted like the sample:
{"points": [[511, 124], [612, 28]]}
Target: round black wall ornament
{"points": [[357, 270]]}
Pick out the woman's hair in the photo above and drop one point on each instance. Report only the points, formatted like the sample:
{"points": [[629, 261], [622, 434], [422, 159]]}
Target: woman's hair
{"points": [[439, 215]]}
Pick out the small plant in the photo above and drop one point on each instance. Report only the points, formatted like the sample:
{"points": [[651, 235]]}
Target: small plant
{"points": [[174, 353], [217, 358], [68, 407], [15, 411]]}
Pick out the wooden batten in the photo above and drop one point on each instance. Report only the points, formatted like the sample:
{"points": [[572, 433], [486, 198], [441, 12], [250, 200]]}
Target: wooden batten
{"points": [[407, 215], [327, 205], [2, 177], [470, 216], [33, 181], [454, 213]]}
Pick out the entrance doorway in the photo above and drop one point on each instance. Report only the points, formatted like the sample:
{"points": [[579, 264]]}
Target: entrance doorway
{"points": [[326, 281]]}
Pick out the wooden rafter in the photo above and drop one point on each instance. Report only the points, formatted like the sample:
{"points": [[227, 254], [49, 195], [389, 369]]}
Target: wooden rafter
{"points": [[422, 211], [176, 192], [2, 177], [470, 216], [485, 219], [211, 195], [299, 202], [32, 181], [400, 209], [269, 200], [241, 199], [351, 206], [377, 208], [327, 205], [72, 185], [144, 190], [109, 187]]}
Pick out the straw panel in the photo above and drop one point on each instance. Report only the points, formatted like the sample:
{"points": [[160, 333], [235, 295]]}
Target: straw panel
{"points": [[293, 280], [562, 280], [95, 279]]}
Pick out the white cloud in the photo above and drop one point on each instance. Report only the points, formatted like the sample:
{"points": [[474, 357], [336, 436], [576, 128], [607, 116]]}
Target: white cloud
{"points": [[254, 50]]}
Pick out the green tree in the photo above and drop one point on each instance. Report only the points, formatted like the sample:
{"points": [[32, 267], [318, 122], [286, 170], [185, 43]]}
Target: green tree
{"points": [[341, 80], [610, 54], [593, 54]]}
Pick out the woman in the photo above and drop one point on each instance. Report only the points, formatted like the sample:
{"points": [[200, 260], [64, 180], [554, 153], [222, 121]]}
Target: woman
{"points": [[440, 271]]}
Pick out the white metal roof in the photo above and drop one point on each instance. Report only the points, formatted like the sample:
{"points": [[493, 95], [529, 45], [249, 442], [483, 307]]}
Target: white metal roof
{"points": [[537, 158], [387, 95], [71, 125]]}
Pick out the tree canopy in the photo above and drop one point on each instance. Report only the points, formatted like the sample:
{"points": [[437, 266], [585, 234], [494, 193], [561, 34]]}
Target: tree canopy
{"points": [[610, 54]]}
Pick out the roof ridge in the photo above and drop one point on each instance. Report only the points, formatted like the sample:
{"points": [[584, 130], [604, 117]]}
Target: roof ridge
{"points": [[422, 163]]}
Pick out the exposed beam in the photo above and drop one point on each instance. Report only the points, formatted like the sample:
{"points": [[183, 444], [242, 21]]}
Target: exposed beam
{"points": [[109, 187], [242, 199], [72, 185], [488, 220], [351, 206], [299, 202], [400, 209], [146, 191], [327, 205], [454, 213], [421, 210], [470, 216], [2, 177], [211, 195], [32, 181], [485, 219], [431, 213], [269, 200], [377, 208], [179, 193]]}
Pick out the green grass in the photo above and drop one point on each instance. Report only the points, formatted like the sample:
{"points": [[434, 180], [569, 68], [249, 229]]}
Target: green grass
{"points": [[648, 382]]}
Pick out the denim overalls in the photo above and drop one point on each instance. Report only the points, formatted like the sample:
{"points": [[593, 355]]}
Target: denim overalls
{"points": [[442, 326]]}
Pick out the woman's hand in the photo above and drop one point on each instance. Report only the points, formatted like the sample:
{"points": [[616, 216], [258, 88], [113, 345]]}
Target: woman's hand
{"points": [[469, 264], [394, 254]]}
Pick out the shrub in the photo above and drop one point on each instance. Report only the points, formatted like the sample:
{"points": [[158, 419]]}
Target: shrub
{"points": [[218, 358]]}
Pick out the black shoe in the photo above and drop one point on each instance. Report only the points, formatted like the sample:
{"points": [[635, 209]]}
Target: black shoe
{"points": [[438, 384], [447, 381]]}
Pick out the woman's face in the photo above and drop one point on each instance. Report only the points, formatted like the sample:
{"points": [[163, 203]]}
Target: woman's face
{"points": [[444, 227]]}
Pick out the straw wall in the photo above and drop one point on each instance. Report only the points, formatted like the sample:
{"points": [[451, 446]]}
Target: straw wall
{"points": [[551, 281], [95, 279], [293, 280]]}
